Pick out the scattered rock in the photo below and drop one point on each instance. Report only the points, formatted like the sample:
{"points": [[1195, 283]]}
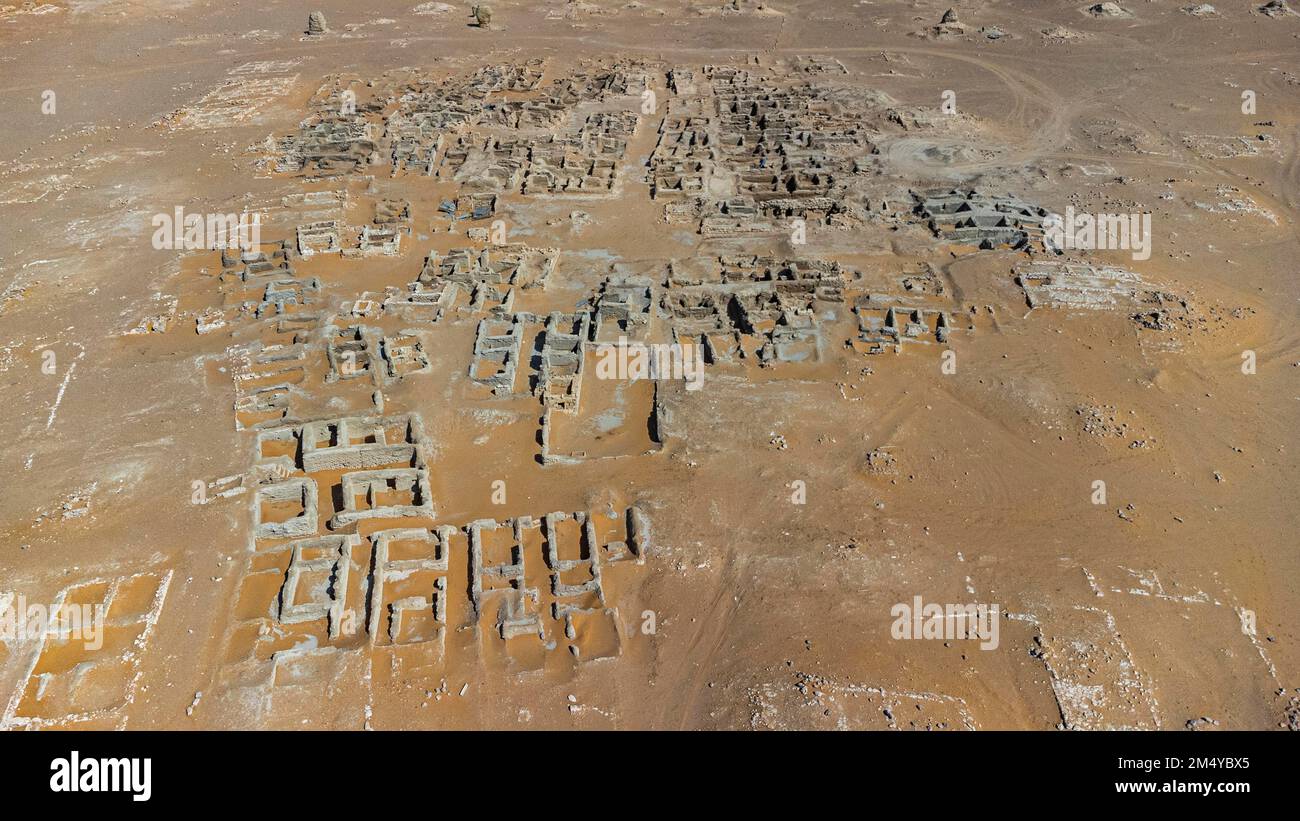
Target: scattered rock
{"points": [[1101, 421], [881, 463], [1276, 8], [1111, 10], [949, 25], [433, 8], [578, 220], [1061, 34]]}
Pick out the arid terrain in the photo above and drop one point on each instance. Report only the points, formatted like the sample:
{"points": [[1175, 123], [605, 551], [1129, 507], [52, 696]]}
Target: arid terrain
{"points": [[391, 462]]}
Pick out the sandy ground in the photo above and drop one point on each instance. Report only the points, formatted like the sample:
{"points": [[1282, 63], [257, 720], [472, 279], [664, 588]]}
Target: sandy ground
{"points": [[790, 507]]}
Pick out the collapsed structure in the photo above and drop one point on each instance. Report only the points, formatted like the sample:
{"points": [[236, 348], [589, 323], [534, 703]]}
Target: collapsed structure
{"points": [[349, 556]]}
